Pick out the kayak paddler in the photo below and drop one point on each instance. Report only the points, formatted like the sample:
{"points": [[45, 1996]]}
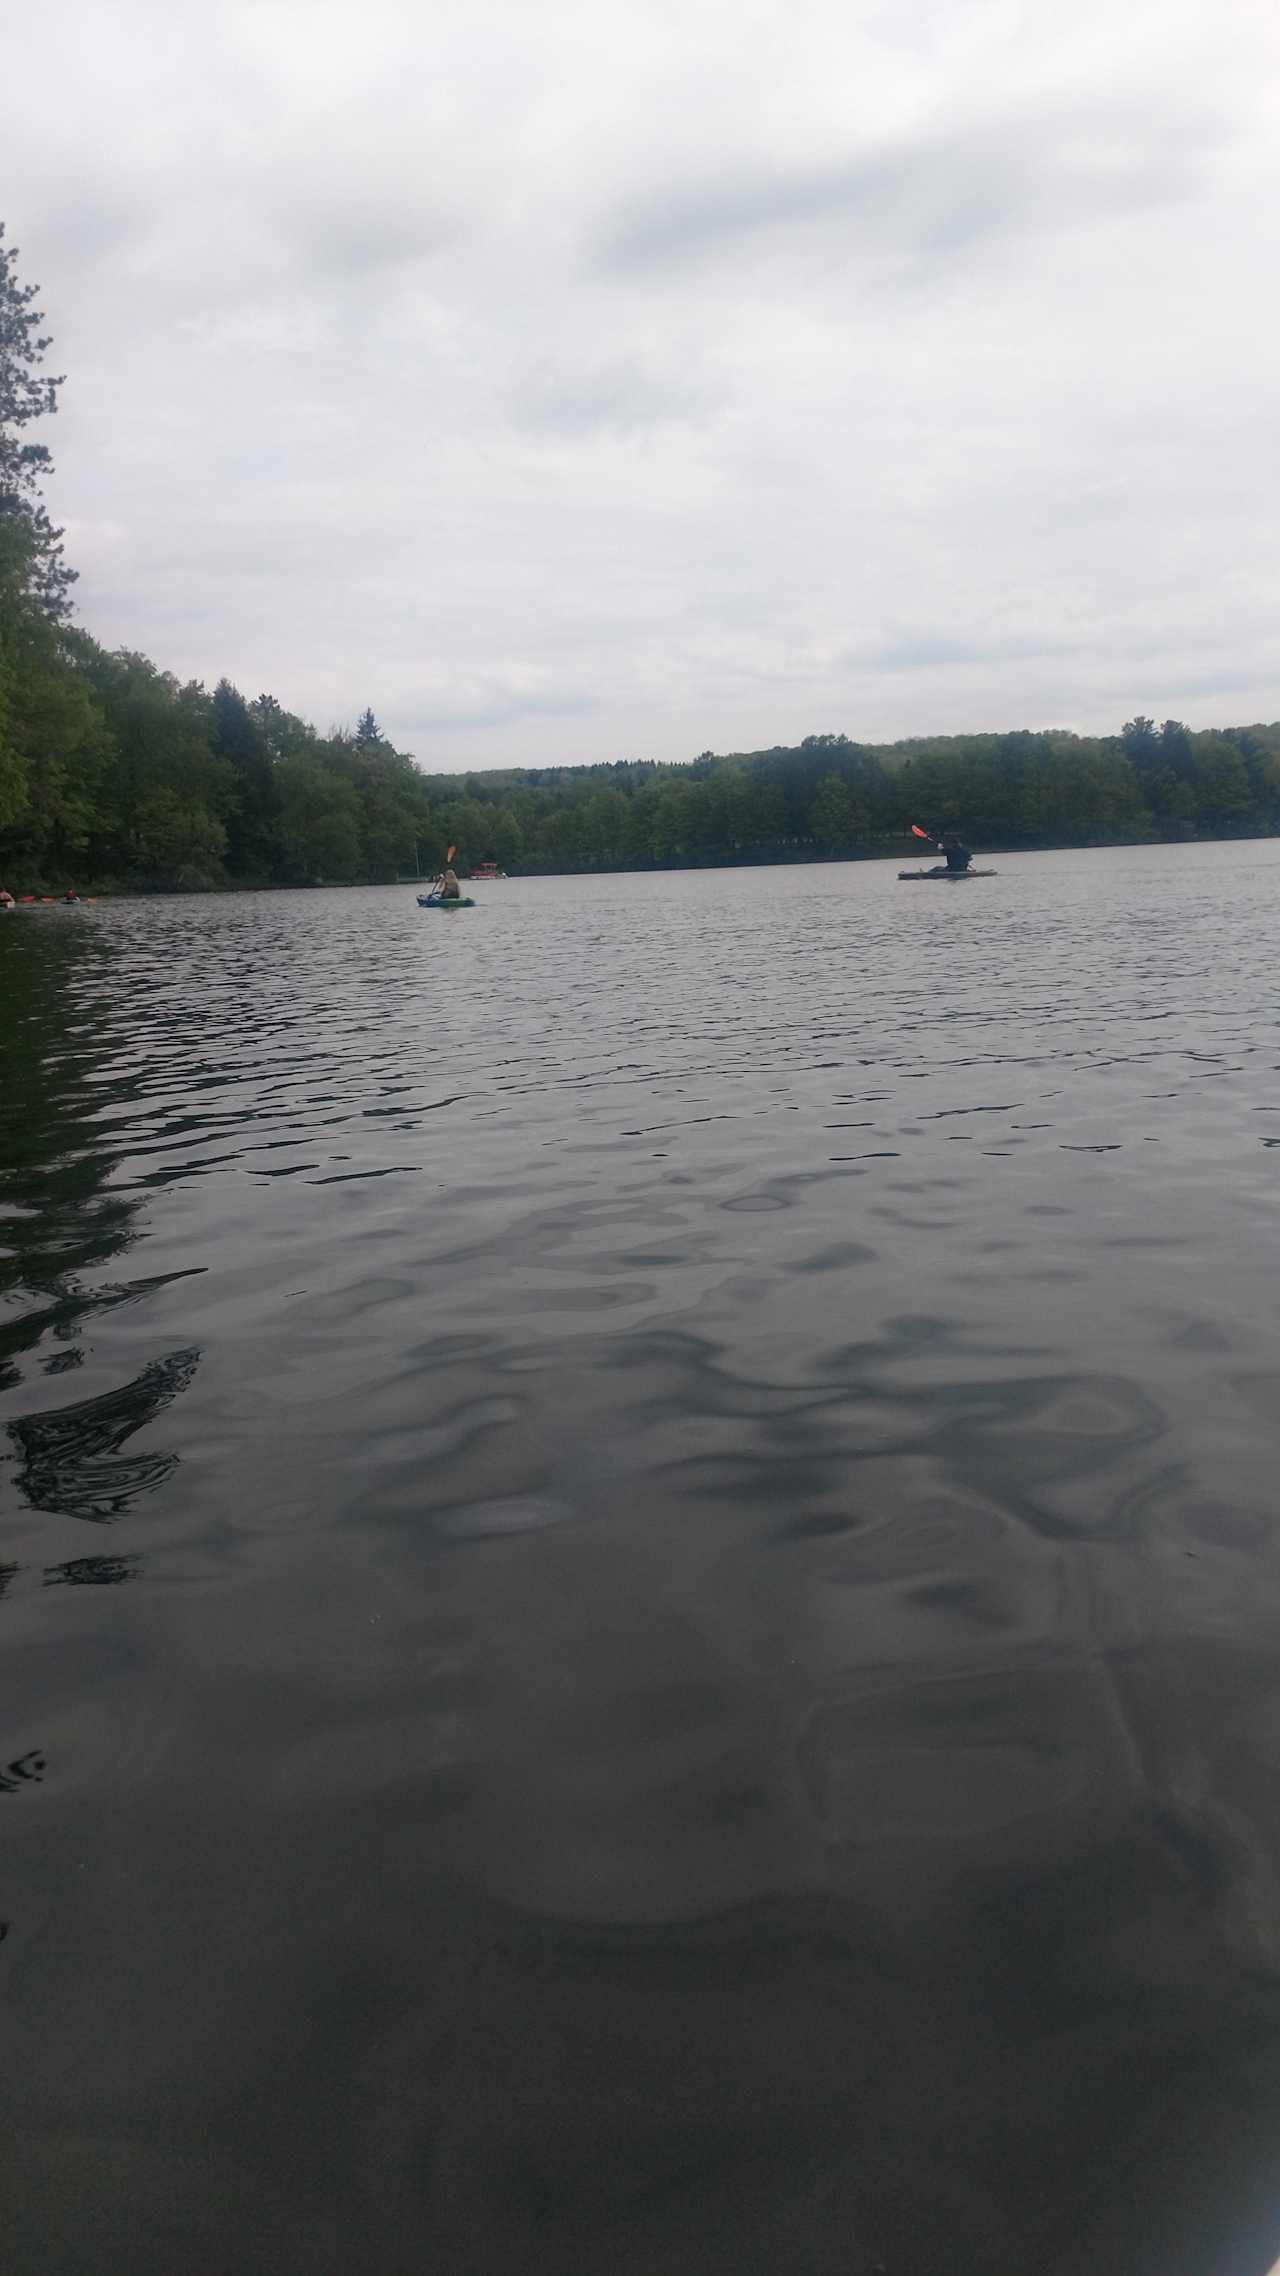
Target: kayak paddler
{"points": [[952, 845], [450, 890]]}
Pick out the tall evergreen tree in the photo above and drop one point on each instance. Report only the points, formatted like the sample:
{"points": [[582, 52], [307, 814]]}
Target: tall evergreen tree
{"points": [[237, 737], [31, 556]]}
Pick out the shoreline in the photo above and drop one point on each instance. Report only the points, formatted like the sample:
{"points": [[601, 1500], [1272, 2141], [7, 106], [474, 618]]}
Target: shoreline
{"points": [[53, 893]]}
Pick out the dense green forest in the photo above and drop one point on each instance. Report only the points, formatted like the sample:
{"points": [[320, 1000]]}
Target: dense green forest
{"points": [[114, 774]]}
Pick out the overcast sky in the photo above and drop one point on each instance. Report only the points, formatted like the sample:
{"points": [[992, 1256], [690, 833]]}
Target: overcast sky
{"points": [[578, 379]]}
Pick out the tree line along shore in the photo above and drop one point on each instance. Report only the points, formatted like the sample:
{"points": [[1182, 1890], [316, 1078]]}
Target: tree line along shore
{"points": [[126, 780]]}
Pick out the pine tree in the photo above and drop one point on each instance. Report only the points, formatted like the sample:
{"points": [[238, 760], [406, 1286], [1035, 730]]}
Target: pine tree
{"points": [[31, 557]]}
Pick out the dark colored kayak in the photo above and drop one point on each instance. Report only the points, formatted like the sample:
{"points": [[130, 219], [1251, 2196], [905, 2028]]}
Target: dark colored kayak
{"points": [[940, 876], [433, 901]]}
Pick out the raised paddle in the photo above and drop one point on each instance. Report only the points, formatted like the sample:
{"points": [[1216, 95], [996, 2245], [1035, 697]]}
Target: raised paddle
{"points": [[437, 882]]}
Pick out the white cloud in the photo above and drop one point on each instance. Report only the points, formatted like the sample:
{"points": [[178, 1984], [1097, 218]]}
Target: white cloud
{"points": [[604, 378]]}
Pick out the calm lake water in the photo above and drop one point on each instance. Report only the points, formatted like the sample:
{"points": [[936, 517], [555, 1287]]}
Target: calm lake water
{"points": [[641, 1618]]}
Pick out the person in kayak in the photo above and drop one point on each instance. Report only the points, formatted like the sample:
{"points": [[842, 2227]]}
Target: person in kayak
{"points": [[450, 890], [956, 851]]}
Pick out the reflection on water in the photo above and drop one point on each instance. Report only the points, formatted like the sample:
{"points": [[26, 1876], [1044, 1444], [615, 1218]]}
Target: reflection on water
{"points": [[699, 1683], [92, 1572], [24, 1770], [72, 1458]]}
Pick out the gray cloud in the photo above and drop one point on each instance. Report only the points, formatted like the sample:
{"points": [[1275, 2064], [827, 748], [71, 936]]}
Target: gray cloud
{"points": [[619, 396], [497, 706], [360, 231], [937, 192], [930, 651], [570, 383]]}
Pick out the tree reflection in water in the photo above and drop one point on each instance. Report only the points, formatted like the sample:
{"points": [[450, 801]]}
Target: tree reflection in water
{"points": [[60, 1219]]}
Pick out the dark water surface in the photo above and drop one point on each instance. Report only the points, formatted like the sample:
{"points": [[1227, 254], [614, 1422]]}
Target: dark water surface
{"points": [[641, 1618]]}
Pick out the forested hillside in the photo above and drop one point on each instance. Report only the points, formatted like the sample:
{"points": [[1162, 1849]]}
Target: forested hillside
{"points": [[113, 774]]}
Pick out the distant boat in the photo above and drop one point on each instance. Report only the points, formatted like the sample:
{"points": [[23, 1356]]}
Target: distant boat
{"points": [[940, 876], [486, 873]]}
